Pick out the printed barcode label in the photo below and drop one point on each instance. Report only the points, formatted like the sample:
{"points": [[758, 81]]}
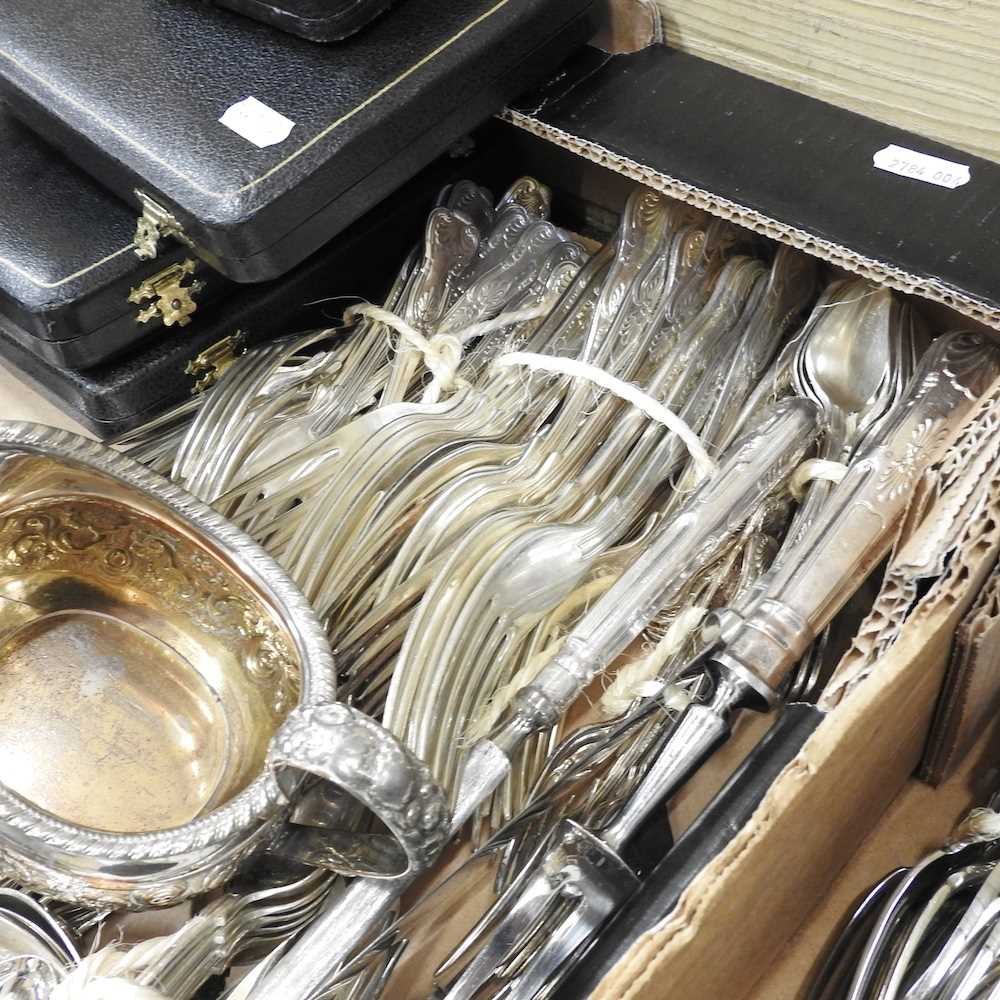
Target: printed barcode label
{"points": [[257, 123], [921, 167]]}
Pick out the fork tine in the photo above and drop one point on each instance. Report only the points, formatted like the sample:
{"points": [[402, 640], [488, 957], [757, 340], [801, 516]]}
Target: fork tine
{"points": [[495, 950], [557, 908], [508, 931]]}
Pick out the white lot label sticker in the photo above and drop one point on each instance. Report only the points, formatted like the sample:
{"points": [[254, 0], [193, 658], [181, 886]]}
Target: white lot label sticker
{"points": [[257, 123], [921, 167]]}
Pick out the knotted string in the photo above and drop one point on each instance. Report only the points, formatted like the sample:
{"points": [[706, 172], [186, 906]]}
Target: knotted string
{"points": [[980, 824], [815, 468], [639, 679], [443, 352]]}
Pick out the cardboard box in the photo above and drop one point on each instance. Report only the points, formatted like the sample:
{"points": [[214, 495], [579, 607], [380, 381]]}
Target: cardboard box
{"points": [[798, 171]]}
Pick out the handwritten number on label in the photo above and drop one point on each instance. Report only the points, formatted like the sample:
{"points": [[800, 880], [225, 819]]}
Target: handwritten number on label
{"points": [[922, 167]]}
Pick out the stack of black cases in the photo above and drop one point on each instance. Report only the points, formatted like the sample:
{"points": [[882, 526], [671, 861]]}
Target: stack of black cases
{"points": [[275, 173]]}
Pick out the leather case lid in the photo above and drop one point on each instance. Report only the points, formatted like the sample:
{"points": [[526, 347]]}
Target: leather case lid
{"points": [[786, 165], [367, 114], [117, 396], [318, 20], [66, 260]]}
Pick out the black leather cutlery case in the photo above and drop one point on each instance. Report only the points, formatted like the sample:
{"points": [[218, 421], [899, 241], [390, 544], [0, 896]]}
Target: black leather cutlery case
{"points": [[71, 287], [118, 395], [317, 20], [318, 134]]}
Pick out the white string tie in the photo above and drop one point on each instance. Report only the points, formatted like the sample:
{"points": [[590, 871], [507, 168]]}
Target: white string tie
{"points": [[639, 679], [443, 352], [653, 408], [815, 468]]}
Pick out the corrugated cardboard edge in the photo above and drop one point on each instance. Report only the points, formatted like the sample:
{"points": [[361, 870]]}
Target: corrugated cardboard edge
{"points": [[974, 551], [881, 271], [742, 909], [971, 689]]}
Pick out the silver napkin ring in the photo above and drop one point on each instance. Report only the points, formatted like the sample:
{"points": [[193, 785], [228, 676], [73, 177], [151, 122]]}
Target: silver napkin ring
{"points": [[343, 746]]}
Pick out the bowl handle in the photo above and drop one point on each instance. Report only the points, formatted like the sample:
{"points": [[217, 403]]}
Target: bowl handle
{"points": [[346, 749]]}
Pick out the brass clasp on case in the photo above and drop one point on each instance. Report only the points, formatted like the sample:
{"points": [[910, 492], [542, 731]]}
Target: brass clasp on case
{"points": [[209, 366], [173, 301], [155, 224]]}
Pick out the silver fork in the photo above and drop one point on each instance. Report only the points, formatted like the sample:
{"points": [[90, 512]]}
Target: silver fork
{"points": [[232, 926], [556, 905]]}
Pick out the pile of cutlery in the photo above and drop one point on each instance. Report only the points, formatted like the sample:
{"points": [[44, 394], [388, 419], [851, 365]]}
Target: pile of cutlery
{"points": [[484, 541]]}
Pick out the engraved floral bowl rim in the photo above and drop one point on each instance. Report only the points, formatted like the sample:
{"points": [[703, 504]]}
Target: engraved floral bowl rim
{"points": [[200, 840]]}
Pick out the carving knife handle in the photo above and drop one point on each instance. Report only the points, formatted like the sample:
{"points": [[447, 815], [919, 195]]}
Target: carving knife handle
{"points": [[698, 733], [764, 637]]}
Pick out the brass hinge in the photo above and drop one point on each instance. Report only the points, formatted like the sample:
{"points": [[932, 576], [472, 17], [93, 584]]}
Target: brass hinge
{"points": [[173, 301], [155, 224], [209, 366]]}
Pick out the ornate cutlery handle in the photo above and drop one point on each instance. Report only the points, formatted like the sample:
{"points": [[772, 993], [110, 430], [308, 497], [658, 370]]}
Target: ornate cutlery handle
{"points": [[762, 639], [345, 747], [209, 942], [198, 951]]}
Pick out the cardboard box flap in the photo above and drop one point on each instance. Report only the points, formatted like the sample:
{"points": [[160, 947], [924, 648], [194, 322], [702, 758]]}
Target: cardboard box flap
{"points": [[741, 910], [789, 166]]}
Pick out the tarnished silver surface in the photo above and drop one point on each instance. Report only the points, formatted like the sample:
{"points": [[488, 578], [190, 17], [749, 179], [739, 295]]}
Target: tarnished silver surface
{"points": [[230, 927], [927, 931], [160, 648], [761, 640], [344, 746], [569, 896], [755, 465], [151, 652]]}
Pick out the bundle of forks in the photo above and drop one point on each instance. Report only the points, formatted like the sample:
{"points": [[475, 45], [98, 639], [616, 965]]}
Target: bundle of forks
{"points": [[449, 546], [929, 932]]}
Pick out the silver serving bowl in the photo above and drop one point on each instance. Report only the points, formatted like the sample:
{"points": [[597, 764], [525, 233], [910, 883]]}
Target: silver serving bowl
{"points": [[149, 653]]}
